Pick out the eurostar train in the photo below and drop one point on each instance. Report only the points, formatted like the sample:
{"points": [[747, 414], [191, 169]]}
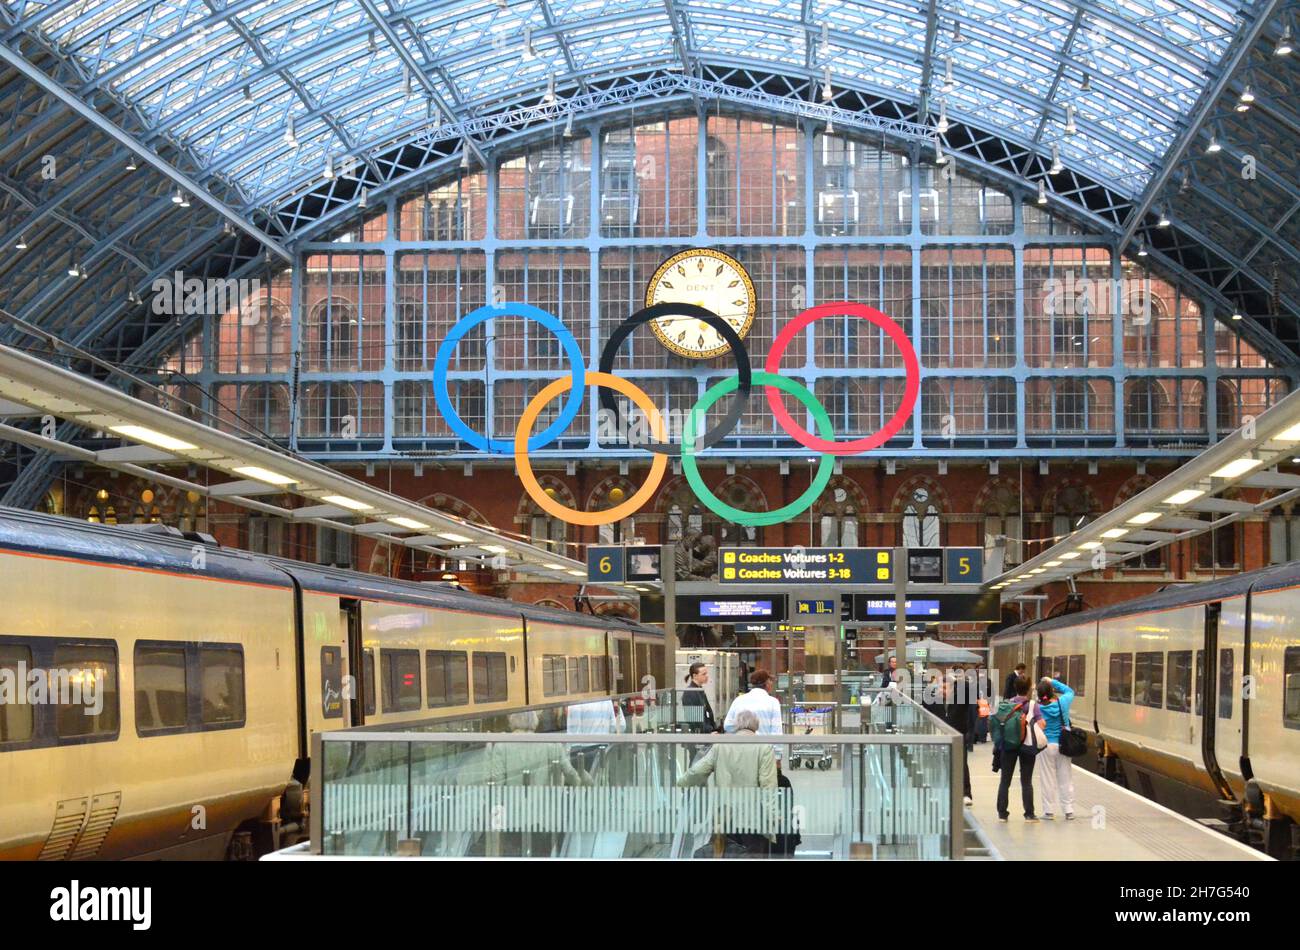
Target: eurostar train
{"points": [[211, 668], [1218, 739]]}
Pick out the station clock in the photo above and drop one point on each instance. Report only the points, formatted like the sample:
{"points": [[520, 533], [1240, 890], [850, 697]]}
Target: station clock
{"points": [[706, 278]]}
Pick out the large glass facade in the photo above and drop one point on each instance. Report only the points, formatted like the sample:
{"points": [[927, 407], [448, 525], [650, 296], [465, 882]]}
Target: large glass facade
{"points": [[1031, 333]]}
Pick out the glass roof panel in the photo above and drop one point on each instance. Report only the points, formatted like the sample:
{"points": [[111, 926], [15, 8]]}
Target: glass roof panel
{"points": [[1148, 62]]}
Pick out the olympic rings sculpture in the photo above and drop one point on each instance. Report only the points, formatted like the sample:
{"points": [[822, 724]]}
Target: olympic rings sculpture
{"points": [[738, 388]]}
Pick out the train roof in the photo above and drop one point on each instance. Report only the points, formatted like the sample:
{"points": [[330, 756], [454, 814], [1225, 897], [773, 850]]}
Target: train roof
{"points": [[345, 583], [155, 547], [1275, 577], [151, 547]]}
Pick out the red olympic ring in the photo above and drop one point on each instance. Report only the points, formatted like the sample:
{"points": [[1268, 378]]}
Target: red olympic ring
{"points": [[910, 391]]}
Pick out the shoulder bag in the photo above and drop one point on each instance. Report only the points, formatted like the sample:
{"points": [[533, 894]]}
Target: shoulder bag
{"points": [[1074, 742]]}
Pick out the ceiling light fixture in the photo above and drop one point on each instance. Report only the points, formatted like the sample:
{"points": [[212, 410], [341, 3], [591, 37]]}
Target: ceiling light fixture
{"points": [[1057, 167], [939, 157], [942, 126], [22, 243], [74, 270], [130, 163], [1236, 315], [554, 567], [568, 126], [248, 94], [408, 523], [1184, 496], [948, 82], [1289, 435], [1163, 220], [1069, 555], [453, 537], [494, 548], [1042, 193], [152, 437], [1214, 146], [363, 198], [1089, 545], [1145, 517], [178, 197], [1142, 249], [1070, 127], [289, 137], [1085, 85], [343, 501], [528, 42], [1113, 533], [1237, 467], [549, 97], [1284, 45], [265, 475], [328, 171]]}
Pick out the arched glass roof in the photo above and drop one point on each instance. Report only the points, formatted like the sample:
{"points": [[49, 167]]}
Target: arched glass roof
{"points": [[281, 116], [226, 79]]}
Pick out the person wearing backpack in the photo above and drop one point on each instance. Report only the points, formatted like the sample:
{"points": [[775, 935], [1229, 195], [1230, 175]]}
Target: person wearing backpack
{"points": [[1014, 741], [1057, 771]]}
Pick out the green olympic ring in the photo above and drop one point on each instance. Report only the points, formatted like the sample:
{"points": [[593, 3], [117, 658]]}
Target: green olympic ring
{"points": [[756, 518]]}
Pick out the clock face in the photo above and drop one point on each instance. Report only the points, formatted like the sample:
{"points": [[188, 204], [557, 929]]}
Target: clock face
{"points": [[921, 496], [708, 279]]}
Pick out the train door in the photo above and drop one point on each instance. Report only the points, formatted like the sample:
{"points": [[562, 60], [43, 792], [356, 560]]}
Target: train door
{"points": [[354, 696], [1224, 671]]}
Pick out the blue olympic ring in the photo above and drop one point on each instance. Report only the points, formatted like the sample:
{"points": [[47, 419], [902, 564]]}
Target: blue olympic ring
{"points": [[577, 367]]}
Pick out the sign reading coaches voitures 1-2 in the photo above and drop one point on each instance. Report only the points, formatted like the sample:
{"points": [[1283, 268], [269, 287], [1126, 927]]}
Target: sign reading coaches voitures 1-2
{"points": [[806, 565]]}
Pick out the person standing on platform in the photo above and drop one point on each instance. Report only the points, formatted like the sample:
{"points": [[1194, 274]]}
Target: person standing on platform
{"points": [[760, 702], [1009, 690], [891, 672], [697, 711], [1012, 728], [737, 766], [1057, 771], [959, 712]]}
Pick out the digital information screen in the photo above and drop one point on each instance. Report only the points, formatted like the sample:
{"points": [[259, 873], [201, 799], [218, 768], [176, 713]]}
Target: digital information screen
{"points": [[714, 608], [925, 565], [746, 609], [915, 608]]}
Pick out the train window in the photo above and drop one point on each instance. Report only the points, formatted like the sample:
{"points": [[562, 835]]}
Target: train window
{"points": [[331, 682], [1200, 682], [1077, 673], [221, 685], [368, 671], [599, 674], [161, 690], [15, 715], [1178, 680], [448, 672], [1149, 679], [1121, 678], [490, 682], [1291, 688], [580, 674], [1044, 668], [554, 676], [1226, 685], [400, 671], [83, 686]]}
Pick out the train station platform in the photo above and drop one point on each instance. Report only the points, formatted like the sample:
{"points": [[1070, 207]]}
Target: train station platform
{"points": [[1112, 824]]}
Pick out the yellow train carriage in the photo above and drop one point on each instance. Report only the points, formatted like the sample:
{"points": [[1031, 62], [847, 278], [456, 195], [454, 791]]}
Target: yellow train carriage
{"points": [[188, 729]]}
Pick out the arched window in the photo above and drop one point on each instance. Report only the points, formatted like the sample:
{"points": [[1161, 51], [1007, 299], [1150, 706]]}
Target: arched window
{"points": [[266, 407], [1071, 509], [548, 532], [839, 517], [922, 523], [1003, 524], [334, 321], [1227, 408]]}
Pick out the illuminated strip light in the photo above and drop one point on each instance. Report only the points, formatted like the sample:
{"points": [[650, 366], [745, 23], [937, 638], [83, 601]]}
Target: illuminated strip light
{"points": [[454, 538], [350, 503], [265, 475], [1237, 468], [1145, 517], [408, 523], [1089, 545], [1069, 555], [1114, 533], [1288, 435], [1184, 496], [150, 437]]}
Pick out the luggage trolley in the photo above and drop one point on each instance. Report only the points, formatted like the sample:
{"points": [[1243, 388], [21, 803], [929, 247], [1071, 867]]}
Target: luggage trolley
{"points": [[812, 719]]}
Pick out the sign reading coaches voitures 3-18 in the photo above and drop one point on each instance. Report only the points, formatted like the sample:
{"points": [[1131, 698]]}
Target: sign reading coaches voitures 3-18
{"points": [[806, 565]]}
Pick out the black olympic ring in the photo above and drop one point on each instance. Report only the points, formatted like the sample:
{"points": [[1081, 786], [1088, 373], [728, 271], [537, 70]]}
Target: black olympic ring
{"points": [[738, 399]]}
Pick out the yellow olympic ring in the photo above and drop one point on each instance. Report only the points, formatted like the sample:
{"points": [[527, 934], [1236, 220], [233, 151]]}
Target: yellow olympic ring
{"points": [[548, 504]]}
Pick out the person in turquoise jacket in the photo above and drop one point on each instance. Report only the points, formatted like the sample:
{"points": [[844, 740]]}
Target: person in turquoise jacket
{"points": [[1056, 771]]}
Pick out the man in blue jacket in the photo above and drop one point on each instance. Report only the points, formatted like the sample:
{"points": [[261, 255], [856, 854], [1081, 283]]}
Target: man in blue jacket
{"points": [[1057, 770]]}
